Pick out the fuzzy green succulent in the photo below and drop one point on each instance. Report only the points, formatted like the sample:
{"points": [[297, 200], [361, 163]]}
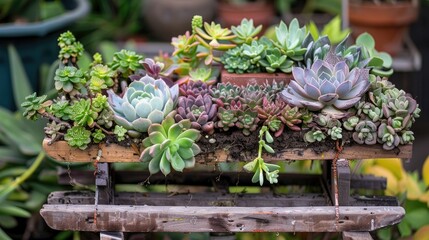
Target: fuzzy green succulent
{"points": [[126, 62], [78, 137], [34, 105], [69, 79], [170, 145]]}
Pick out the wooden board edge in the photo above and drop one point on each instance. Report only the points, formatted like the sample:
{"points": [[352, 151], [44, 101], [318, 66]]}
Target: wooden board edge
{"points": [[61, 151]]}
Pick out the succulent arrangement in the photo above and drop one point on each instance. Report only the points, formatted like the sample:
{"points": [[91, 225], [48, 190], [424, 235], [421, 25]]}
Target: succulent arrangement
{"points": [[163, 107]]}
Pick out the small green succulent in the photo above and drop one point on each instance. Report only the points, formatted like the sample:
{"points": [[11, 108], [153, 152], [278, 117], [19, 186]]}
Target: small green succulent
{"points": [[101, 78], [335, 133], [120, 132], [99, 103], [407, 137], [388, 137], [314, 135], [170, 145], [54, 129], [70, 49], [105, 118], [82, 114], [227, 118], [245, 32], [365, 132], [254, 51], [34, 105], [247, 121], [289, 39], [204, 74], [351, 123], [197, 22], [274, 61], [78, 137], [126, 62], [69, 79], [61, 108], [98, 136]]}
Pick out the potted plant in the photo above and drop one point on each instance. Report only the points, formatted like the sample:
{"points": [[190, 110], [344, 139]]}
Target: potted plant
{"points": [[35, 41], [338, 95], [231, 12], [387, 21]]}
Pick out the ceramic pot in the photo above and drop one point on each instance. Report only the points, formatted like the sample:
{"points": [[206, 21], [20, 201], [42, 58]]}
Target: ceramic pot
{"points": [[387, 23]]}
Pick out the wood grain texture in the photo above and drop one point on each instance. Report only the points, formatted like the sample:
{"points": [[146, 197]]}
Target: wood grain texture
{"points": [[217, 219], [356, 236], [61, 151]]}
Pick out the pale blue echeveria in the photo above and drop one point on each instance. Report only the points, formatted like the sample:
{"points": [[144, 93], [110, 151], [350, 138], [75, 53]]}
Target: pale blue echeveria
{"points": [[325, 85], [144, 102]]}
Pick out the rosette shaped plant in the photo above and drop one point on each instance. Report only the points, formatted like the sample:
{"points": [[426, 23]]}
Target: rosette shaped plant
{"points": [[200, 110], [144, 102], [324, 85], [170, 145]]}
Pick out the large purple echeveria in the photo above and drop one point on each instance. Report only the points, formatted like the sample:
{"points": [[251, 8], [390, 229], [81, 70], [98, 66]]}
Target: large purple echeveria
{"points": [[325, 84], [200, 110]]}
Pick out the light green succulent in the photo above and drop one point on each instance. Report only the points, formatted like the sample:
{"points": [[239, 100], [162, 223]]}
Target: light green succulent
{"points": [[69, 79], [145, 102], [407, 137], [101, 78], [335, 133], [70, 49], [275, 60], [351, 123], [82, 114], [388, 137], [365, 132], [245, 32], [105, 118], [61, 108], [170, 145], [254, 51], [314, 135], [120, 132], [34, 105], [78, 137], [98, 136], [99, 103], [289, 39], [126, 62]]}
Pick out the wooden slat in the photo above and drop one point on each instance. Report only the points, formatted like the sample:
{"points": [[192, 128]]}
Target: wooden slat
{"points": [[61, 151], [356, 236], [204, 178], [217, 219], [195, 199]]}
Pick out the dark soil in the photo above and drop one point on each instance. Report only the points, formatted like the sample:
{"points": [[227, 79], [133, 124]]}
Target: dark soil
{"points": [[236, 142]]}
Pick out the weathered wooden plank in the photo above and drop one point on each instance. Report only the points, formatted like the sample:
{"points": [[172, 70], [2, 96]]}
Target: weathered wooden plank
{"points": [[217, 219], [195, 199], [111, 236], [343, 180], [204, 178], [356, 236], [61, 151]]}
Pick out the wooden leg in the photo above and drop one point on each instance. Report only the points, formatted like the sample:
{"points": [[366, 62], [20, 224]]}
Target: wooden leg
{"points": [[343, 182], [356, 236], [111, 236]]}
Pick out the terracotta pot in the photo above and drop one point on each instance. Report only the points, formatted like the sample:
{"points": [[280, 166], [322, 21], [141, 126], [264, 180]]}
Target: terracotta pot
{"points": [[387, 23], [232, 14], [170, 18], [254, 78]]}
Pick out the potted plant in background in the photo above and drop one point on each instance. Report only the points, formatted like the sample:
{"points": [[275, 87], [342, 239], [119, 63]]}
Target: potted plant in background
{"points": [[387, 21], [33, 27]]}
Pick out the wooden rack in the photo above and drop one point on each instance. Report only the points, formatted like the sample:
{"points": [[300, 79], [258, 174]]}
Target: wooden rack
{"points": [[112, 213]]}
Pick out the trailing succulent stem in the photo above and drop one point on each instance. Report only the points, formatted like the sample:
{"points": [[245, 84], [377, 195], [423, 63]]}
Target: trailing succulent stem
{"points": [[258, 166]]}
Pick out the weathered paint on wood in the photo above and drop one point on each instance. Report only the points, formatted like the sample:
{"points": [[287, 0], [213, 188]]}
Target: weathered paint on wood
{"points": [[356, 236], [217, 219], [61, 151]]}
